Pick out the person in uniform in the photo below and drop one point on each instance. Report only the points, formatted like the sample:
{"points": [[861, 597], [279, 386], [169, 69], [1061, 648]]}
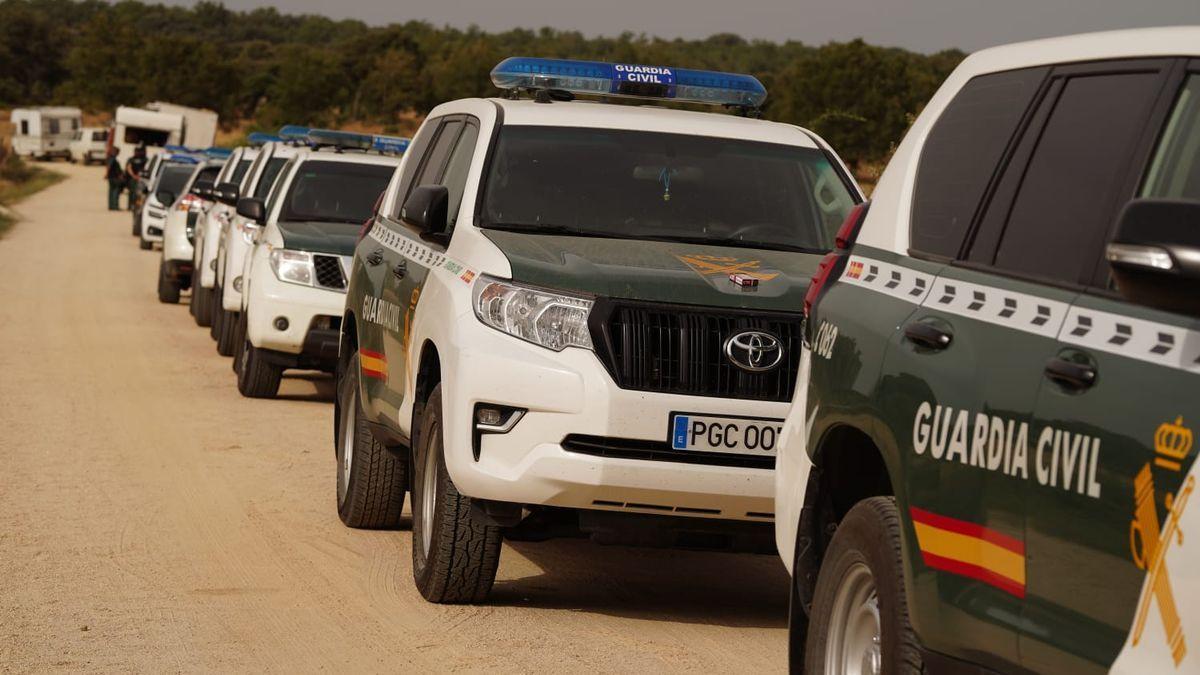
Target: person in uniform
{"points": [[133, 173], [116, 180]]}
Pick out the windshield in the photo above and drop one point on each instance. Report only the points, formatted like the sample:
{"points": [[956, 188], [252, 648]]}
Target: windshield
{"points": [[646, 185], [270, 173], [174, 177], [340, 192]]}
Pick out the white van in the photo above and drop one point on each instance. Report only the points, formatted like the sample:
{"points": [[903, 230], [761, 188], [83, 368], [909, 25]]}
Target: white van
{"points": [[89, 145], [199, 124], [133, 127], [41, 133]]}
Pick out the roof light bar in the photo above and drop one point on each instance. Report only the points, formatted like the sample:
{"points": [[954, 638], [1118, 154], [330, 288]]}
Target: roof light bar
{"points": [[218, 153], [259, 138], [598, 78], [342, 140], [390, 144], [293, 133]]}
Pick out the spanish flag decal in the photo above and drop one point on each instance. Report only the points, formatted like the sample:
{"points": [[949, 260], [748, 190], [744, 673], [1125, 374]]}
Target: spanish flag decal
{"points": [[970, 550], [373, 364]]}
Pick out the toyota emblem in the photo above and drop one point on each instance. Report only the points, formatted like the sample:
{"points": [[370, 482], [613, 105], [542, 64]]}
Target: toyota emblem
{"points": [[754, 351]]}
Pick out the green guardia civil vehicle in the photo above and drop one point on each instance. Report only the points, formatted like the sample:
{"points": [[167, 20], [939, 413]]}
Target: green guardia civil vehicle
{"points": [[576, 317], [992, 466]]}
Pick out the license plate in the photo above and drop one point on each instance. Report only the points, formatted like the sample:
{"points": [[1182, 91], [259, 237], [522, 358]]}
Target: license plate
{"points": [[729, 434]]}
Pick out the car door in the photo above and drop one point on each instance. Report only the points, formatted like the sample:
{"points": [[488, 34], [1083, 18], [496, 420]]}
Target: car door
{"points": [[1118, 404], [955, 404]]}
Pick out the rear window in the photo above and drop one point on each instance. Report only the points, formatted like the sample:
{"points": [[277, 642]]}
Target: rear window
{"points": [[962, 154], [174, 177], [341, 192]]}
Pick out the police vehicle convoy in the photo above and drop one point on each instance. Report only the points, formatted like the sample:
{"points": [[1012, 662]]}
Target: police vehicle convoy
{"points": [[175, 271], [294, 288], [166, 175], [209, 227], [993, 463], [237, 236], [579, 317]]}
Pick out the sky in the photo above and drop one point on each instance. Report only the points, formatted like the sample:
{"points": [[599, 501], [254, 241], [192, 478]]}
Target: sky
{"points": [[921, 25]]}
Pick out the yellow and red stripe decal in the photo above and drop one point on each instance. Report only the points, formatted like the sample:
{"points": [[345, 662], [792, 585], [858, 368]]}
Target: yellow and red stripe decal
{"points": [[970, 550], [373, 364]]}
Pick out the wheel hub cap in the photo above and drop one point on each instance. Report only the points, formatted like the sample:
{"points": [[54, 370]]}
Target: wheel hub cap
{"points": [[855, 639]]}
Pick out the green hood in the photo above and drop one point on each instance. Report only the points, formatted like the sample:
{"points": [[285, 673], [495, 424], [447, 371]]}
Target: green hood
{"points": [[336, 238], [656, 271]]}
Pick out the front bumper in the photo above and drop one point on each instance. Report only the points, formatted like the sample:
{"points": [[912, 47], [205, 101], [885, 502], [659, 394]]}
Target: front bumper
{"points": [[312, 316], [571, 394], [152, 225]]}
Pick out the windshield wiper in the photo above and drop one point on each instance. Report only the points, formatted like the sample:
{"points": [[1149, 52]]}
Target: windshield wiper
{"points": [[545, 228], [736, 243]]}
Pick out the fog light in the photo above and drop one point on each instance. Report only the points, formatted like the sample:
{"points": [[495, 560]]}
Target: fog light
{"points": [[488, 416], [237, 284], [281, 323]]}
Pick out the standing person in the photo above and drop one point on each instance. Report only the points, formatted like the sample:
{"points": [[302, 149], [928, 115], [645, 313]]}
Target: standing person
{"points": [[133, 174], [116, 180]]}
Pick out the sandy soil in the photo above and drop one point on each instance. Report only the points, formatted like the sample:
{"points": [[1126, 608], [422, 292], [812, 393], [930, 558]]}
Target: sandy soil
{"points": [[151, 519]]}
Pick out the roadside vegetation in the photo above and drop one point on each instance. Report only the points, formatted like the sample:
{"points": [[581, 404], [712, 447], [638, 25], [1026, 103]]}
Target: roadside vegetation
{"points": [[261, 68], [18, 180]]}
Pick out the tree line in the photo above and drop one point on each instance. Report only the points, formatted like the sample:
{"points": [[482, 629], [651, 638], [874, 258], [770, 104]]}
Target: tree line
{"points": [[271, 68]]}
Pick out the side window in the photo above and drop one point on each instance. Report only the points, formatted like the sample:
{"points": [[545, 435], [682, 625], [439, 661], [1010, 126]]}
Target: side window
{"points": [[1175, 170], [455, 178], [414, 154], [250, 173], [432, 163], [271, 171], [52, 126], [277, 185], [24, 127], [1069, 193], [962, 154]]}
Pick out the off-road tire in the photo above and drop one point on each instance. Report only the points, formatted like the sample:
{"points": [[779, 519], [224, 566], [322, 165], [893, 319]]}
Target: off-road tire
{"points": [[256, 377], [137, 226], [868, 535], [226, 323], [460, 566], [373, 498], [239, 342], [168, 290], [201, 304], [214, 311]]}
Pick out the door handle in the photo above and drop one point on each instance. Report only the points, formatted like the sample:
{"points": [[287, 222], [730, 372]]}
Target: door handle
{"points": [[400, 270], [1070, 375], [375, 257], [927, 335]]}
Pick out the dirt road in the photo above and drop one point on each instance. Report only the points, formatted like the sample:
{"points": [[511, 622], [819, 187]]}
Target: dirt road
{"points": [[152, 519]]}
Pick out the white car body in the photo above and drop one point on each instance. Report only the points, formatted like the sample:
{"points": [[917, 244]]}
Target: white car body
{"points": [[89, 145], [154, 212], [44, 132], [177, 247], [236, 239], [570, 391], [210, 227], [265, 297]]}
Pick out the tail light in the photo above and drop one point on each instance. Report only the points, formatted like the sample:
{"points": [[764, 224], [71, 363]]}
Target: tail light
{"points": [[190, 202], [831, 263]]}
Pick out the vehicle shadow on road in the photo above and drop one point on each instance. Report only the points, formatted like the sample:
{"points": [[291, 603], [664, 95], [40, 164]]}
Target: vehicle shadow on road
{"points": [[726, 589], [307, 386]]}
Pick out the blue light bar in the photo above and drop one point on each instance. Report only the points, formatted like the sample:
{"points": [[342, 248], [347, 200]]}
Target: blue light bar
{"points": [[293, 132], [181, 149], [258, 138], [218, 153], [637, 81], [180, 158], [390, 144], [344, 140]]}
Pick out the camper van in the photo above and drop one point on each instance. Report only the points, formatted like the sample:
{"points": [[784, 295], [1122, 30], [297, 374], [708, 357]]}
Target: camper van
{"points": [[41, 133], [89, 145], [199, 125], [159, 124]]}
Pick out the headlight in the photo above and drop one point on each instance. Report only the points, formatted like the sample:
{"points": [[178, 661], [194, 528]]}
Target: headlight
{"points": [[549, 319], [294, 267]]}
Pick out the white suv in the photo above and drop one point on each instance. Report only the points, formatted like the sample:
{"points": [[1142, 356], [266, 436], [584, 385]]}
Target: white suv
{"points": [[295, 277], [578, 317], [175, 270], [208, 234]]}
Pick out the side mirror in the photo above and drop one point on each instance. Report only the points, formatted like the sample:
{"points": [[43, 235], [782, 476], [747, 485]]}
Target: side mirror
{"points": [[252, 209], [165, 197], [425, 209], [1155, 255], [227, 193]]}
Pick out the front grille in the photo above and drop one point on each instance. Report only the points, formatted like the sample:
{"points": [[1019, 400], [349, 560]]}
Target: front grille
{"points": [[329, 272], [659, 451], [679, 349]]}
